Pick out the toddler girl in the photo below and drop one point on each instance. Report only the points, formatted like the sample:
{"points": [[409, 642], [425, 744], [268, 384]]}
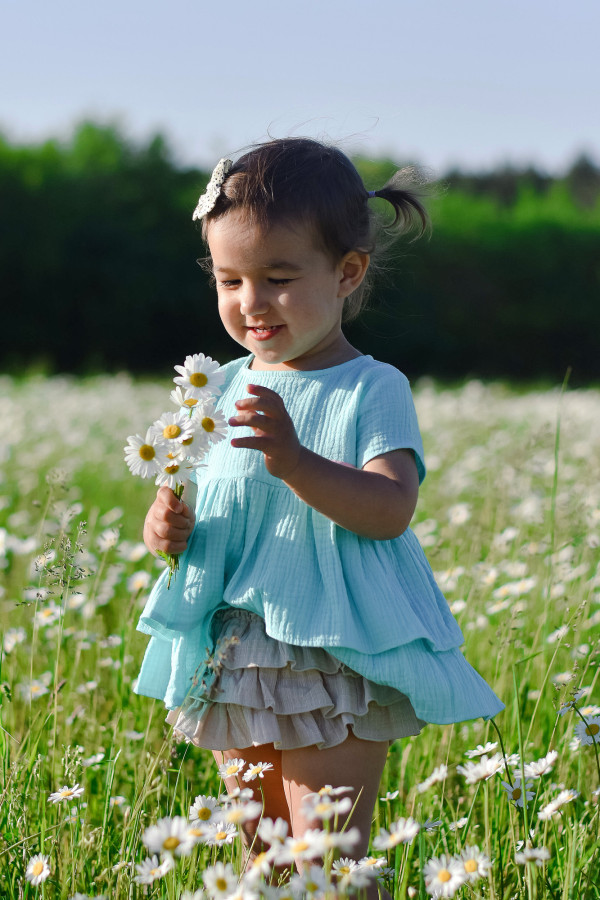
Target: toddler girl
{"points": [[299, 548]]}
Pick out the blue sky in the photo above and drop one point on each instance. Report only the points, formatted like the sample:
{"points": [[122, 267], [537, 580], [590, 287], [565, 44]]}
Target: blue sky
{"points": [[440, 83]]}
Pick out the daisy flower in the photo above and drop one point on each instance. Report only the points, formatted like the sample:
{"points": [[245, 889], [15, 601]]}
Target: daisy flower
{"points": [[65, 793], [313, 881], [48, 614], [219, 833], [204, 809], [541, 766], [145, 456], [212, 421], [172, 428], [308, 846], [401, 832], [537, 855], [350, 874], [220, 880], [237, 813], [237, 793], [37, 869], [150, 869], [183, 399], [257, 771], [551, 808], [342, 841], [443, 876], [169, 835], [139, 581], [34, 689], [588, 732], [515, 792], [261, 866], [173, 473], [200, 376], [273, 832], [482, 770], [372, 862], [324, 807], [482, 750], [475, 864], [439, 774], [231, 767]]}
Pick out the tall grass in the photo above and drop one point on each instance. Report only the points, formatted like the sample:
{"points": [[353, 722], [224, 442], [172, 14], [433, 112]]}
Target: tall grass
{"points": [[510, 519]]}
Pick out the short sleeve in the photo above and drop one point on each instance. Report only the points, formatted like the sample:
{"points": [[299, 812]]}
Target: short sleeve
{"points": [[387, 419]]}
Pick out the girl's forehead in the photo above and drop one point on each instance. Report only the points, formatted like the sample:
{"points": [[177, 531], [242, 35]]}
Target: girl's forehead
{"points": [[233, 238]]}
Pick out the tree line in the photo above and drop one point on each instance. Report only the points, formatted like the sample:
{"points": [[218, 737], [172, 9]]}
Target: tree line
{"points": [[99, 271]]}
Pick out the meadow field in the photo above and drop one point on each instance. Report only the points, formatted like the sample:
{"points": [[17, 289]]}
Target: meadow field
{"points": [[99, 797]]}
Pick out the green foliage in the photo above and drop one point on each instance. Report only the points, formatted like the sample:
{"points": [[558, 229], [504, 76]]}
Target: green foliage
{"points": [[98, 257]]}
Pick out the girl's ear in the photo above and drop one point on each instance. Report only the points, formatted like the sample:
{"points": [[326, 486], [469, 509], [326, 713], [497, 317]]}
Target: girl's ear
{"points": [[353, 268]]}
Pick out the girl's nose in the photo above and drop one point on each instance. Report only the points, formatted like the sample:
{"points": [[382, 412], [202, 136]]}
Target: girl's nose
{"points": [[253, 302]]}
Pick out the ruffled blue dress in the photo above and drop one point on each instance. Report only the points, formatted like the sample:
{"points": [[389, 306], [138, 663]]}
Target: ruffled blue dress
{"points": [[266, 564]]}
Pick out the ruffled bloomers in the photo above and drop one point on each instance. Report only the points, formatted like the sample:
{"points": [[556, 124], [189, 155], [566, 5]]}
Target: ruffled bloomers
{"points": [[268, 692]]}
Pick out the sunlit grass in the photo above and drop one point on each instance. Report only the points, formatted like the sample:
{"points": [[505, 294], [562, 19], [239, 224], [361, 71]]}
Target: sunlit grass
{"points": [[510, 519]]}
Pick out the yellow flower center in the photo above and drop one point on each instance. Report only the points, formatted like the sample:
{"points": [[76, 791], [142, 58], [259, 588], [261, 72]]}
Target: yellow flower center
{"points": [[259, 860], [171, 843], [221, 884], [204, 814], [198, 379], [170, 470], [197, 832], [470, 865], [66, 793], [208, 424], [444, 876], [299, 846], [592, 729], [516, 793], [344, 870], [220, 835], [311, 887], [191, 401], [38, 867], [146, 451], [171, 431], [231, 770], [188, 441]]}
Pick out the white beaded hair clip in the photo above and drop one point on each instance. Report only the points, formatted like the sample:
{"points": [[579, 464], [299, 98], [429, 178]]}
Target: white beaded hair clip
{"points": [[213, 189]]}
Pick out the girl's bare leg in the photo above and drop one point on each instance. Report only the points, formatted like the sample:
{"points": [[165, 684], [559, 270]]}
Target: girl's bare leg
{"points": [[354, 763]]}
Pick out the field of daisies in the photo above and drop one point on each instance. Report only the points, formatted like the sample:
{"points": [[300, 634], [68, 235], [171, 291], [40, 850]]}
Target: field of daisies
{"points": [[98, 797]]}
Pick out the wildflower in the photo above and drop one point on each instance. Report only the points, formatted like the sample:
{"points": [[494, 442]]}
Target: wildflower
{"points": [[532, 855], [35, 688], [231, 767], [312, 881], [169, 835], [570, 704], [204, 809], [37, 869], [237, 793], [551, 808], [324, 807], [212, 421], [150, 869], [195, 895], [342, 841], [174, 472], [49, 614], [372, 862], [588, 732], [401, 832], [482, 750], [515, 792], [65, 793], [474, 863], [139, 581], [172, 429], [145, 456], [257, 771], [484, 769], [134, 735], [237, 813], [541, 766], [262, 864], [219, 833], [273, 832], [440, 773], [460, 823], [459, 513], [93, 760], [308, 846], [391, 795], [12, 637], [183, 399], [220, 880], [199, 376], [443, 876]]}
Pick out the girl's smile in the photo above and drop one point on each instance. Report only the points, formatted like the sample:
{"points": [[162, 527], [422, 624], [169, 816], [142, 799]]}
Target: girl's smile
{"points": [[279, 295]]}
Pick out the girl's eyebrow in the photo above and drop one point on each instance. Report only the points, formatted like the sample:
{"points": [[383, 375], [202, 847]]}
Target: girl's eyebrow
{"points": [[277, 264]]}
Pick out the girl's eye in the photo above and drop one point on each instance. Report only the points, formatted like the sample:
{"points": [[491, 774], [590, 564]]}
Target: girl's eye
{"points": [[231, 283], [280, 281]]}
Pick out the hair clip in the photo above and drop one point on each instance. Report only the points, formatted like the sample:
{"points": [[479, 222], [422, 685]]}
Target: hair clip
{"points": [[213, 189]]}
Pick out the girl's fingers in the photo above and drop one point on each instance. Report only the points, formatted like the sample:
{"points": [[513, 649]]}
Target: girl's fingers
{"points": [[254, 420]]}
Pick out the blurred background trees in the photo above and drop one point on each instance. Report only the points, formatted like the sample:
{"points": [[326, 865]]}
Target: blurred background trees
{"points": [[98, 255]]}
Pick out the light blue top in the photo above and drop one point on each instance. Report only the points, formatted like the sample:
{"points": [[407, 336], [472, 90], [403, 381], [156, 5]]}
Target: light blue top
{"points": [[372, 604]]}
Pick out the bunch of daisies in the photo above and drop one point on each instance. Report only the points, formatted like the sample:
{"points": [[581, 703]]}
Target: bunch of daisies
{"points": [[177, 442]]}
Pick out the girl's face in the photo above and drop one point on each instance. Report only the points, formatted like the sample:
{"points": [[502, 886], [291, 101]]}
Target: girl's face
{"points": [[279, 296]]}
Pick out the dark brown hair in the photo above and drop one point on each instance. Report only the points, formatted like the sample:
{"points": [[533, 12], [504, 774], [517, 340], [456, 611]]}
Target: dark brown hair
{"points": [[291, 180]]}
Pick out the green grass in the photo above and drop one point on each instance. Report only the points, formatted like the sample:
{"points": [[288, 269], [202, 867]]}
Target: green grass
{"points": [[510, 519]]}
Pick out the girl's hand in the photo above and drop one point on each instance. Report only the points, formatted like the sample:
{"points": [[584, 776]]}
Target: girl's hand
{"points": [[274, 432], [168, 524]]}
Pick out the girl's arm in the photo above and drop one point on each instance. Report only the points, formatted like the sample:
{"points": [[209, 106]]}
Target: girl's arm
{"points": [[376, 502]]}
